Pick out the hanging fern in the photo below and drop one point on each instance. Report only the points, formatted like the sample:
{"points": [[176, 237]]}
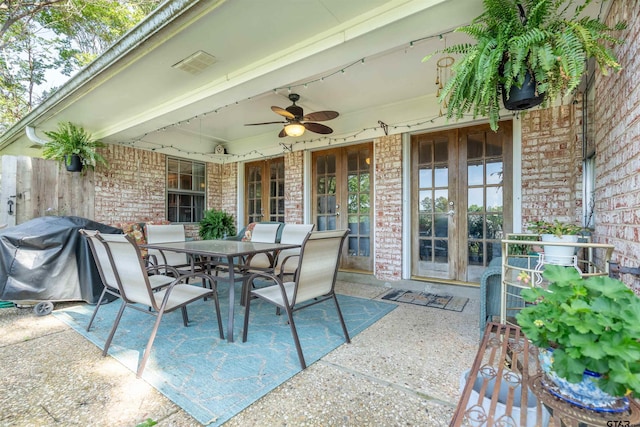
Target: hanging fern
{"points": [[552, 41]]}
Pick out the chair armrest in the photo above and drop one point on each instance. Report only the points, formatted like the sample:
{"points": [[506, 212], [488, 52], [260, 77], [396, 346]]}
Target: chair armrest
{"points": [[168, 270], [292, 260]]}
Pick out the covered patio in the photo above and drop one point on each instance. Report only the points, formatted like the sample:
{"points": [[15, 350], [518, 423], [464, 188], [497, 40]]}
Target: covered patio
{"points": [[428, 201]]}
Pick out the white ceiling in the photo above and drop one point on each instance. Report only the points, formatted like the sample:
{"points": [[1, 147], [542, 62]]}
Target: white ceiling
{"points": [[264, 50]]}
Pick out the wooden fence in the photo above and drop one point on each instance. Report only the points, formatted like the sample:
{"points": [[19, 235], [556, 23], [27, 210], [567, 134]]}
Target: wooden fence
{"points": [[33, 187]]}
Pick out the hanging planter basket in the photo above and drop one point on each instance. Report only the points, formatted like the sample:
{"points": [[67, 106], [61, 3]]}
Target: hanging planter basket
{"points": [[74, 164], [522, 98]]}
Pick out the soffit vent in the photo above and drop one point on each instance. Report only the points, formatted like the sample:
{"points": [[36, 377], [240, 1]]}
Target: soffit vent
{"points": [[196, 63]]}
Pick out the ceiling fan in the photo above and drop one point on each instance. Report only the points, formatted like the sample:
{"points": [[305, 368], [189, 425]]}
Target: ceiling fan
{"points": [[297, 121]]}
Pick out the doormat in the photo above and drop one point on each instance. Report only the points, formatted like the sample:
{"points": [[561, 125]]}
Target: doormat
{"points": [[445, 302]]}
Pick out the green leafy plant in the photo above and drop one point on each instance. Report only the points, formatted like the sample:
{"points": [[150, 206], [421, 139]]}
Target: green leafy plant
{"points": [[71, 139], [557, 228], [591, 323], [216, 225], [516, 37]]}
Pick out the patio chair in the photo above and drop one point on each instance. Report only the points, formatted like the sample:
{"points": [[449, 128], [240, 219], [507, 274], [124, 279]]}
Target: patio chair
{"points": [[168, 233], [107, 275], [263, 233], [314, 282], [287, 259], [136, 291]]}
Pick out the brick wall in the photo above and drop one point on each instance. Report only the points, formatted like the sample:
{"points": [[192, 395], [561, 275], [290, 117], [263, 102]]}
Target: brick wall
{"points": [[618, 146], [388, 207], [552, 164], [229, 189], [214, 186], [132, 188], [293, 187], [552, 154]]}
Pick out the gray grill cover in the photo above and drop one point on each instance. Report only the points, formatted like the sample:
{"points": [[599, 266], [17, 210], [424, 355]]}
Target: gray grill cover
{"points": [[47, 259]]}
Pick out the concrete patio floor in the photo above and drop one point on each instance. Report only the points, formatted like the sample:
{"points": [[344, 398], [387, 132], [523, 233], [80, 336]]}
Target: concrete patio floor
{"points": [[403, 370]]}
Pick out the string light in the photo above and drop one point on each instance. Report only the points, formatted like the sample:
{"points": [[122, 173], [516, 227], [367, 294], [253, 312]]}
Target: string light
{"points": [[232, 158], [290, 88]]}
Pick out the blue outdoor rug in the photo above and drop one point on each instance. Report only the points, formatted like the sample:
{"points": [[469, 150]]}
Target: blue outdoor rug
{"points": [[211, 379]]}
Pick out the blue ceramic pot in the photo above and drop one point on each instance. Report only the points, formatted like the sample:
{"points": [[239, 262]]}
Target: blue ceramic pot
{"points": [[585, 394]]}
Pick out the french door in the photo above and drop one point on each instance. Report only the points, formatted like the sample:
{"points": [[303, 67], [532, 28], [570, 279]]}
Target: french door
{"points": [[461, 200], [264, 192], [342, 194]]}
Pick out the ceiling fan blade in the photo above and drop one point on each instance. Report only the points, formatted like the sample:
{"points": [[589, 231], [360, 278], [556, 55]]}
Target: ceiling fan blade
{"points": [[283, 112], [263, 123], [320, 116], [317, 128], [282, 133]]}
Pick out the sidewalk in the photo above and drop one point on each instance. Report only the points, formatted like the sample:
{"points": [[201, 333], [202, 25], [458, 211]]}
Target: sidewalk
{"points": [[403, 370]]}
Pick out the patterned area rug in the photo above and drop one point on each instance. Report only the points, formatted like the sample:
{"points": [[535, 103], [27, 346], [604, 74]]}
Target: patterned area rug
{"points": [[213, 379], [445, 302]]}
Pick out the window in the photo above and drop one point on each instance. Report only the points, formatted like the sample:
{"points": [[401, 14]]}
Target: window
{"points": [[186, 190], [589, 151]]}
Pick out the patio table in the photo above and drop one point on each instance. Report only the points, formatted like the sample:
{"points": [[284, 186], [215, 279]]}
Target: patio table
{"points": [[230, 250]]}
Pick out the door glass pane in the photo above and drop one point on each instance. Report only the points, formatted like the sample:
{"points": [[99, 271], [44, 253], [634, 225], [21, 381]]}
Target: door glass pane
{"points": [[494, 199], [441, 150], [425, 152], [352, 183], [475, 251], [476, 173], [365, 182], [494, 144], [441, 200], [441, 251], [425, 225], [365, 205], [494, 172], [442, 176], [475, 146], [442, 225], [476, 226], [494, 227], [426, 201], [426, 178], [475, 200]]}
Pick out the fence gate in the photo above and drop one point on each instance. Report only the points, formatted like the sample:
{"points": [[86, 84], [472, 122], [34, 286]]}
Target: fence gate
{"points": [[33, 187]]}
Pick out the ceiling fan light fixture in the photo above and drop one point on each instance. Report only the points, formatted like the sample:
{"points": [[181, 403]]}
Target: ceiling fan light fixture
{"points": [[294, 129]]}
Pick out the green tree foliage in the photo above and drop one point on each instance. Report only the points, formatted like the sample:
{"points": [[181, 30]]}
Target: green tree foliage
{"points": [[39, 36]]}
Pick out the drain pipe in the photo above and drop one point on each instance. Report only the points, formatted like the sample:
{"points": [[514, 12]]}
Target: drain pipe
{"points": [[31, 134]]}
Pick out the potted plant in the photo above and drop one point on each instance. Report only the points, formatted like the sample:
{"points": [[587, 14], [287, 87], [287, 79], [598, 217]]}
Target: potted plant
{"points": [[593, 327], [216, 224], [74, 146], [535, 45], [557, 231]]}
